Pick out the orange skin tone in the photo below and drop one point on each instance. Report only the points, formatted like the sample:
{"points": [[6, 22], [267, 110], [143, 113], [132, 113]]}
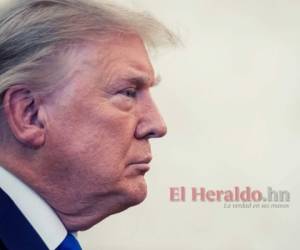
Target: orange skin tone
{"points": [[85, 148]]}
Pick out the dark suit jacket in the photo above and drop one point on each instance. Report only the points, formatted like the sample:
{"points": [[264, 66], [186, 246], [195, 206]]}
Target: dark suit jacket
{"points": [[16, 233]]}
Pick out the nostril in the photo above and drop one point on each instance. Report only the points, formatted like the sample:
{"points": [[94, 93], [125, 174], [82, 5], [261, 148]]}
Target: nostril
{"points": [[151, 135], [151, 126], [158, 132]]}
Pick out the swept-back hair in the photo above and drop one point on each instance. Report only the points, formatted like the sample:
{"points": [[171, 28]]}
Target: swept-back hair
{"points": [[33, 33]]}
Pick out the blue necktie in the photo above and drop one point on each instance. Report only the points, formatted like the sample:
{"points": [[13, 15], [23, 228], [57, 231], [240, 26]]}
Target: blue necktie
{"points": [[69, 243]]}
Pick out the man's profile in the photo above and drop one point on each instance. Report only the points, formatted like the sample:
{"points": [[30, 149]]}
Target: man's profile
{"points": [[76, 117]]}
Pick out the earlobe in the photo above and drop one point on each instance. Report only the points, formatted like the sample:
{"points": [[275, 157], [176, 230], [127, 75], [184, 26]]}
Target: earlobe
{"points": [[22, 110]]}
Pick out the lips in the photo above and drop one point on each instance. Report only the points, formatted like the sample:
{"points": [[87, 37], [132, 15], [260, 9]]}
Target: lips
{"points": [[140, 166], [145, 160], [140, 169]]}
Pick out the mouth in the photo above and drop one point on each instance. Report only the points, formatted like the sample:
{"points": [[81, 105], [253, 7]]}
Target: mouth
{"points": [[141, 167]]}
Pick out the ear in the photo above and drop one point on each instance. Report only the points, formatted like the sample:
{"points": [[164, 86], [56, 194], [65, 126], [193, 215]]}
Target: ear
{"points": [[22, 110]]}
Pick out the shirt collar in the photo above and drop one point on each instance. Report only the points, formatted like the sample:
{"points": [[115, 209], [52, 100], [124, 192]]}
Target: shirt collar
{"points": [[40, 215]]}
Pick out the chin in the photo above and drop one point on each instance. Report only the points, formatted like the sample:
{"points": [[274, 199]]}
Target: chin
{"points": [[135, 192], [128, 194]]}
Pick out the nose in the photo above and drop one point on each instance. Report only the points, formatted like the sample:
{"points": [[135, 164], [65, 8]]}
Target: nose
{"points": [[151, 123]]}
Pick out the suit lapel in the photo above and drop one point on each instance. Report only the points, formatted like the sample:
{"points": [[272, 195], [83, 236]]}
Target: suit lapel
{"points": [[15, 231]]}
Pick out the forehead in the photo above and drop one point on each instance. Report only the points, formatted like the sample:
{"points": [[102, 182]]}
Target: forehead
{"points": [[121, 56]]}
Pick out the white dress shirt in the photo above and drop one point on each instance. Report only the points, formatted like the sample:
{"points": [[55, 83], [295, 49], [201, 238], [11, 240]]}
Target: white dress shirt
{"points": [[40, 215]]}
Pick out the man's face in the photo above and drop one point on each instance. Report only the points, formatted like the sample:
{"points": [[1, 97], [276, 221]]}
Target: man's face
{"points": [[98, 130]]}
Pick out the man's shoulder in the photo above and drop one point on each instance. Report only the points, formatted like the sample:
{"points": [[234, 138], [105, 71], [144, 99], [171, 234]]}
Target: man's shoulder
{"points": [[12, 223]]}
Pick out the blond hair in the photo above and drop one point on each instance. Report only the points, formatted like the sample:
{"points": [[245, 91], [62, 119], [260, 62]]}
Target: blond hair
{"points": [[31, 32]]}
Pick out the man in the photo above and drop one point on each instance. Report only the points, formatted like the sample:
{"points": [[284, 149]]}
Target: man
{"points": [[76, 118]]}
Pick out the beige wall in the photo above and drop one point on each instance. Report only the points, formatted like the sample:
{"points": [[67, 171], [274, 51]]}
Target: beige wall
{"points": [[231, 98]]}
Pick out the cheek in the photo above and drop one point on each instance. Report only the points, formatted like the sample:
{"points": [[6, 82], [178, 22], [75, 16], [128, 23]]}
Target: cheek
{"points": [[99, 142]]}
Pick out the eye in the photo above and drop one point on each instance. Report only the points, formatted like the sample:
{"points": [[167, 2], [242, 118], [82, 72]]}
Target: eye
{"points": [[129, 92]]}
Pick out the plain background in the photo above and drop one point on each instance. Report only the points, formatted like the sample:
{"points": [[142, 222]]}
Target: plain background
{"points": [[231, 99]]}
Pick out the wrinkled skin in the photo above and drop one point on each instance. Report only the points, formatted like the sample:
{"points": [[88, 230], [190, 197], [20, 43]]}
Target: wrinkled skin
{"points": [[98, 127]]}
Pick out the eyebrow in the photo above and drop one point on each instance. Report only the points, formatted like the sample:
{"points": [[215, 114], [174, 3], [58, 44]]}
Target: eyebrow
{"points": [[141, 81]]}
